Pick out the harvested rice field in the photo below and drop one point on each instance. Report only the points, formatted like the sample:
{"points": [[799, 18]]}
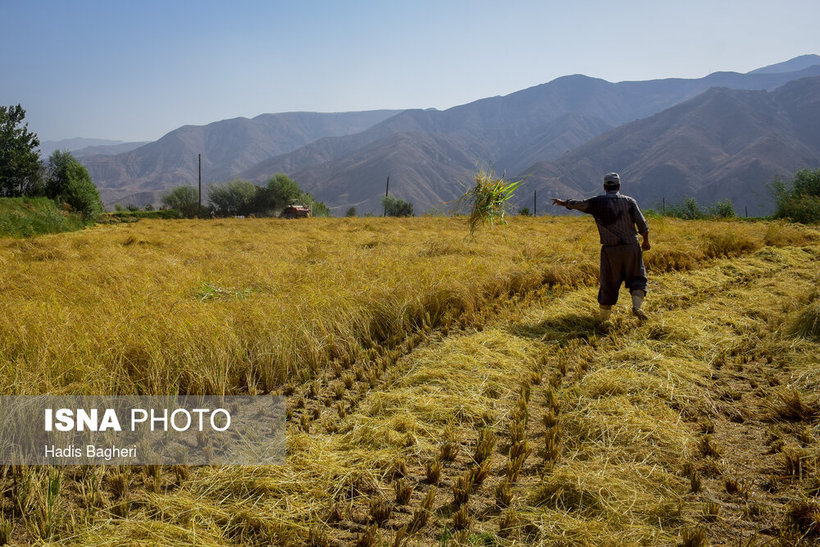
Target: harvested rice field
{"points": [[441, 389]]}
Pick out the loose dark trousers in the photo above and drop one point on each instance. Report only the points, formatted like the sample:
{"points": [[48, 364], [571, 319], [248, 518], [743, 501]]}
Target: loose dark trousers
{"points": [[620, 264]]}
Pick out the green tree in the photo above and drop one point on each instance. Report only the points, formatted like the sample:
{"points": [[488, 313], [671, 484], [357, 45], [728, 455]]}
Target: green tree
{"points": [[689, 210], [184, 199], [394, 207], [20, 164], [721, 209], [524, 211], [68, 182], [238, 197], [57, 177], [280, 192], [798, 199], [351, 212], [317, 208]]}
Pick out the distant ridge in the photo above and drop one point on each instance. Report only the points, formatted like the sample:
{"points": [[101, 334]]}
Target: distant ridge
{"points": [[792, 65], [723, 144], [81, 145], [344, 159], [512, 132], [227, 147]]}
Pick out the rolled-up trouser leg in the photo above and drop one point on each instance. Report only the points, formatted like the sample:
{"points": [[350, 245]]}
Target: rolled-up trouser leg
{"points": [[635, 275], [611, 277], [620, 264]]}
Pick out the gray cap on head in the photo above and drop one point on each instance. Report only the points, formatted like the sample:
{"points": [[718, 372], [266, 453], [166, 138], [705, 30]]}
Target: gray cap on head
{"points": [[612, 179]]}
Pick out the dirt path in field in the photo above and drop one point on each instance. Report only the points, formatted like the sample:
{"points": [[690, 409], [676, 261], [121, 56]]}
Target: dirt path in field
{"points": [[688, 427]]}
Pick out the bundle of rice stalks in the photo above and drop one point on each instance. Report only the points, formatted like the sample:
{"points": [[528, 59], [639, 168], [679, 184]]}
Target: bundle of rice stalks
{"points": [[486, 202], [807, 323]]}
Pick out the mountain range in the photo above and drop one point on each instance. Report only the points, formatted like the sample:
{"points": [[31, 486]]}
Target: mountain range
{"points": [[726, 135], [722, 144], [80, 146]]}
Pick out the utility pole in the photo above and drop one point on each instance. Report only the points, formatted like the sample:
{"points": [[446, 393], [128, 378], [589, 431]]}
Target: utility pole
{"points": [[386, 190], [199, 161]]}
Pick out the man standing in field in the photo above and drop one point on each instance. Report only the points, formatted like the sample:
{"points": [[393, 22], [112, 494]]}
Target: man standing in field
{"points": [[617, 216]]}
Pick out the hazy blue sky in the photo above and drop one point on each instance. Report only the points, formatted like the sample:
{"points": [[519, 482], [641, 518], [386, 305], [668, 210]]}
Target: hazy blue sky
{"points": [[136, 70]]}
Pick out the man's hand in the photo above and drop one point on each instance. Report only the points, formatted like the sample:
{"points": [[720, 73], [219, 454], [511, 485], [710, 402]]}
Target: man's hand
{"points": [[645, 243], [556, 201]]}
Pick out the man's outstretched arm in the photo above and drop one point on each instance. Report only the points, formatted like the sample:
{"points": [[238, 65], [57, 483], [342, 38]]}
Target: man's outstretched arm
{"points": [[580, 205]]}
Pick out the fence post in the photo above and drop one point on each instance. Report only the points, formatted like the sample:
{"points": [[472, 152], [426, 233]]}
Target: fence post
{"points": [[199, 162], [386, 190]]}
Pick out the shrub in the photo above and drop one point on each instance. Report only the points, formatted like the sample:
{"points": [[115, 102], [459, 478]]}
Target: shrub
{"points": [[798, 199], [241, 197], [394, 207], [184, 199], [81, 194], [278, 193], [721, 209], [69, 182], [238, 197], [24, 217], [689, 209]]}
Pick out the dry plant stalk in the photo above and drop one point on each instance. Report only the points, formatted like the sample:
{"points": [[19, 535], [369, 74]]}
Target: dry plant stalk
{"points": [[461, 518], [368, 537], [422, 513], [693, 537], [552, 448], [449, 451], [433, 471], [550, 419], [503, 494], [380, 509], [517, 432], [711, 510], [507, 523], [519, 448], [485, 445], [514, 466], [462, 487], [317, 537], [403, 491], [478, 473]]}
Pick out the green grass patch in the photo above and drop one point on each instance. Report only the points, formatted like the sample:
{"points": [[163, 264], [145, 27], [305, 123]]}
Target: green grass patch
{"points": [[26, 217]]}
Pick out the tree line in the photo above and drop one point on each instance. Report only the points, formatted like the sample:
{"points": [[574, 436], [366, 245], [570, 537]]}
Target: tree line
{"points": [[24, 174], [243, 198], [65, 180]]}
